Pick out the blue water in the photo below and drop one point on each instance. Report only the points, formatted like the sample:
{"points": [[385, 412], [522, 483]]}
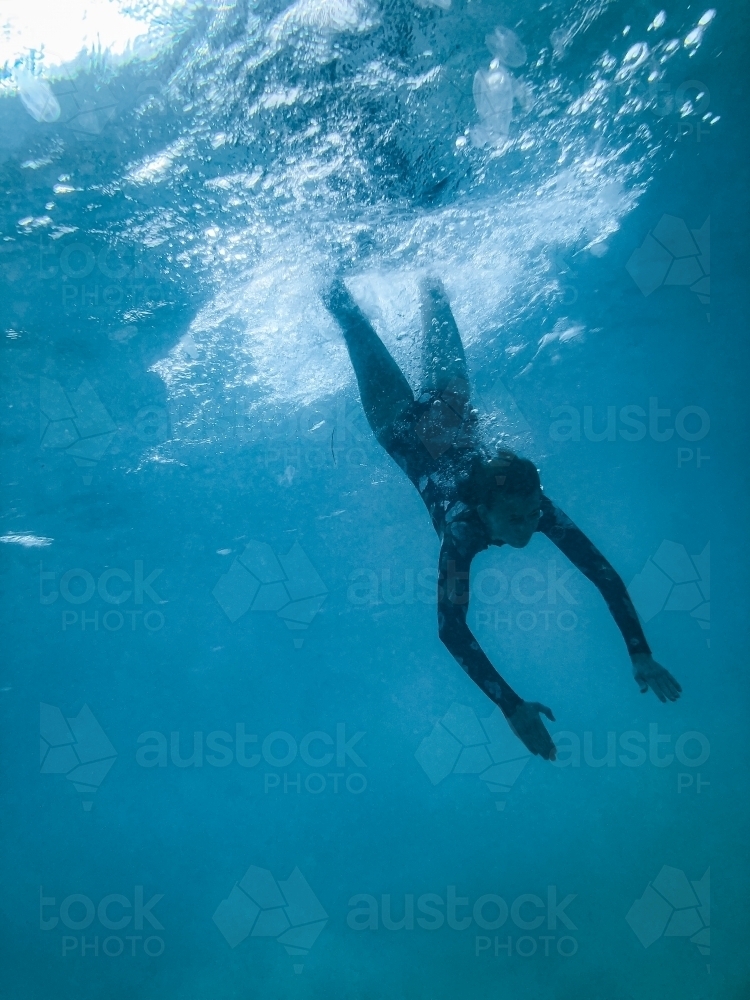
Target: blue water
{"points": [[304, 801]]}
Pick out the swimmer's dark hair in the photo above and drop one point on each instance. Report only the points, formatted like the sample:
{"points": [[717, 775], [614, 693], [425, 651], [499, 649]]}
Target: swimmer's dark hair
{"points": [[502, 474]]}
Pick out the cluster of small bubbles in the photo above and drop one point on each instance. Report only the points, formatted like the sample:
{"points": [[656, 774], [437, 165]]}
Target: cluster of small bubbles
{"points": [[269, 151]]}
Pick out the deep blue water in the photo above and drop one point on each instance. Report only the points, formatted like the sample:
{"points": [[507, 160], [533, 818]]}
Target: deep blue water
{"points": [[183, 446]]}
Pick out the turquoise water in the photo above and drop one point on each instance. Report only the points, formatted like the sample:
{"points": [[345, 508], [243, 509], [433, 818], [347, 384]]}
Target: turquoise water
{"points": [[261, 774]]}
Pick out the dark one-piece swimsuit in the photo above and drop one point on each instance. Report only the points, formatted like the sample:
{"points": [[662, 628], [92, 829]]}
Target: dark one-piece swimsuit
{"points": [[438, 459]]}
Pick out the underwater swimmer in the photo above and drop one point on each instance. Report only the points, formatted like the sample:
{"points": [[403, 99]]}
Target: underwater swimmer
{"points": [[475, 499]]}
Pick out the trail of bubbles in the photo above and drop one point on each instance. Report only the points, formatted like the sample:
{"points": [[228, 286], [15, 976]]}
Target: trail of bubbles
{"points": [[293, 142]]}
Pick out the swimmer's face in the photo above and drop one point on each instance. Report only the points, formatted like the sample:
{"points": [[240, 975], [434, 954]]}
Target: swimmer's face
{"points": [[513, 520]]}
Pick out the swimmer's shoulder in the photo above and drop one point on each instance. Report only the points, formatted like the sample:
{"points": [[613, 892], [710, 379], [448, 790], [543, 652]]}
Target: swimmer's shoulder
{"points": [[464, 529]]}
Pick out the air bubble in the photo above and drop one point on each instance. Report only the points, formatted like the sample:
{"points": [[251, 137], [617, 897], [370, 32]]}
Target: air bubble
{"points": [[658, 21]]}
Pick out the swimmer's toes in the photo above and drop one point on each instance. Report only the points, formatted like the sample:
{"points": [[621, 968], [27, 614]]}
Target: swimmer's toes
{"points": [[336, 296], [431, 283]]}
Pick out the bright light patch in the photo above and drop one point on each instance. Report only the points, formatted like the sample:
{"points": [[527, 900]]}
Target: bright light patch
{"points": [[57, 31]]}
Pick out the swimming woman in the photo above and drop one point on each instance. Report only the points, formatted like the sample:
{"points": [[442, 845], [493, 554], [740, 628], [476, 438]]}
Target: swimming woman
{"points": [[475, 498]]}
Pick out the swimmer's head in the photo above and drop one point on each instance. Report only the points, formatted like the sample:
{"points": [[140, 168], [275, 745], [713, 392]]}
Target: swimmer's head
{"points": [[508, 496]]}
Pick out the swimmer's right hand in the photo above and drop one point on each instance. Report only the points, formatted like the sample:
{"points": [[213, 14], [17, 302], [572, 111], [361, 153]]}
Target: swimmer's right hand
{"points": [[529, 728]]}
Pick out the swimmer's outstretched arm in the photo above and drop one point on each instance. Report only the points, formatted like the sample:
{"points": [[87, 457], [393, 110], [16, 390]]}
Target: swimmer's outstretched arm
{"points": [[588, 559], [453, 605]]}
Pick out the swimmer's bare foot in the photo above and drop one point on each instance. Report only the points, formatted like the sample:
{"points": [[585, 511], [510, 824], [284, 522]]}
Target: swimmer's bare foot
{"points": [[337, 298]]}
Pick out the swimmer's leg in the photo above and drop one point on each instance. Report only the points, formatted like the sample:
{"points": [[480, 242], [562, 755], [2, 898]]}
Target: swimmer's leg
{"points": [[443, 360], [383, 388]]}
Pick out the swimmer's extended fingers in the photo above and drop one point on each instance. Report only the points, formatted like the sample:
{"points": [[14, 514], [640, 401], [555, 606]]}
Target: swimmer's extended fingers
{"points": [[547, 750], [646, 681], [543, 710], [668, 686], [650, 674], [539, 742], [650, 679], [530, 729]]}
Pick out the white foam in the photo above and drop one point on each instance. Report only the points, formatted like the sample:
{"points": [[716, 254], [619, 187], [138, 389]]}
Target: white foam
{"points": [[268, 337], [27, 540]]}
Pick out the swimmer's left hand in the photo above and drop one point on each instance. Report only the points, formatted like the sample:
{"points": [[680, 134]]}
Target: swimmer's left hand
{"points": [[525, 722], [650, 674]]}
